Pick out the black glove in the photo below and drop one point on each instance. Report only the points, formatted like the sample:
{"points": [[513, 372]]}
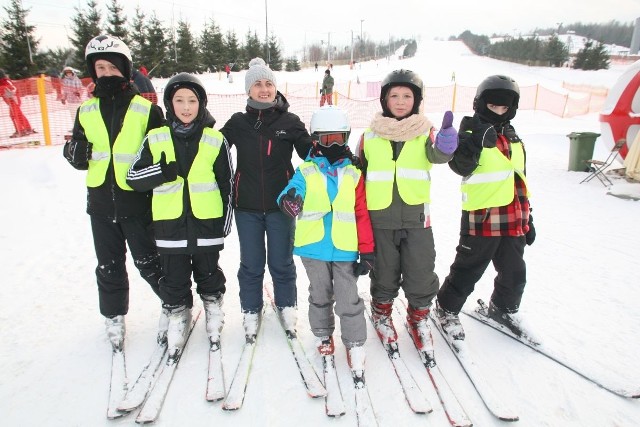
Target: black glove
{"points": [[357, 162], [483, 134], [78, 153], [169, 170], [364, 265], [291, 203], [531, 234]]}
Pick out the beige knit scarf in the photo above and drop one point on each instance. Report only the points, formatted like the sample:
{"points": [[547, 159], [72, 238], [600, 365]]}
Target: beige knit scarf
{"points": [[400, 130]]}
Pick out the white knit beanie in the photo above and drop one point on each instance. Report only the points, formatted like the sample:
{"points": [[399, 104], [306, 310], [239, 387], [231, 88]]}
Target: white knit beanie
{"points": [[258, 70]]}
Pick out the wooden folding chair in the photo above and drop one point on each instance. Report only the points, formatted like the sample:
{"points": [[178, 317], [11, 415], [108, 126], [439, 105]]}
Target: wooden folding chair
{"points": [[597, 167]]}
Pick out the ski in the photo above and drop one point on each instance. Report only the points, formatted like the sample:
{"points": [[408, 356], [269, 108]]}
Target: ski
{"points": [[235, 396], [333, 401], [140, 389], [153, 405], [118, 383], [215, 378], [412, 393], [481, 314], [450, 404], [309, 376], [494, 402], [364, 407]]}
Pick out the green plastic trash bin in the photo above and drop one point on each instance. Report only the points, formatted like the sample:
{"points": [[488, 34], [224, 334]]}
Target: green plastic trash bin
{"points": [[581, 146]]}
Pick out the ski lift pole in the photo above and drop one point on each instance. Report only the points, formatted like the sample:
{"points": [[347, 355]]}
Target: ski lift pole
{"points": [[156, 66]]}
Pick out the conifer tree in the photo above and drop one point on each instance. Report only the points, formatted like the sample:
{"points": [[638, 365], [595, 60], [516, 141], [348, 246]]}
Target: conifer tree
{"points": [[186, 50], [117, 22], [232, 47], [556, 52], [156, 51], [275, 58], [138, 39], [252, 47], [18, 46], [212, 48], [86, 25]]}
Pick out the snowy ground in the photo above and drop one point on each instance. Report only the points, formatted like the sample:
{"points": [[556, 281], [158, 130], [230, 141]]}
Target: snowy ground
{"points": [[581, 295]]}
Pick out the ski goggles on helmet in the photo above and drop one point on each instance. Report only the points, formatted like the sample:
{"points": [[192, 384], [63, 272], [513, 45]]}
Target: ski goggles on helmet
{"points": [[331, 138]]}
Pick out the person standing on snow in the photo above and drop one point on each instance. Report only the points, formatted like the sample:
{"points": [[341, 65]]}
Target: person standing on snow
{"points": [[327, 89], [71, 86], [187, 164], [398, 151], [107, 134], [496, 216], [10, 96], [71, 91], [328, 183], [264, 137]]}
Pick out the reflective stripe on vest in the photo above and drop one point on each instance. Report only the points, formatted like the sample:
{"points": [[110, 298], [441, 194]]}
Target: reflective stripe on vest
{"points": [[492, 182], [126, 145], [204, 193], [310, 225], [410, 171]]}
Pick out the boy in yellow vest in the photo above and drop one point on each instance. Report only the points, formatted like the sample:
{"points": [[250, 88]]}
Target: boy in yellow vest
{"points": [[333, 234], [496, 222], [187, 164], [108, 131]]}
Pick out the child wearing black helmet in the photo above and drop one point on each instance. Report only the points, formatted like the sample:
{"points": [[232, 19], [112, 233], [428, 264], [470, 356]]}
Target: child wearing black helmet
{"points": [[187, 165], [496, 221], [397, 153], [107, 133]]}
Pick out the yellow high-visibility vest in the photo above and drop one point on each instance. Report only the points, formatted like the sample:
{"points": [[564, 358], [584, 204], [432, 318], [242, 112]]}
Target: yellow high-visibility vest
{"points": [[204, 193], [492, 183], [126, 145], [310, 225], [410, 171]]}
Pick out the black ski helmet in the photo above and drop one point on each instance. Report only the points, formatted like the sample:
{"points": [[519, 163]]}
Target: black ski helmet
{"points": [[189, 81], [497, 90], [405, 78]]}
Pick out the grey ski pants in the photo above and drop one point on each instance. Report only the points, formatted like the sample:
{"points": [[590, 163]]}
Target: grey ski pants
{"points": [[334, 283]]}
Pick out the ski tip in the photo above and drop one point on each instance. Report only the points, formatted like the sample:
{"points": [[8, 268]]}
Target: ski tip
{"points": [[117, 415], [509, 418]]}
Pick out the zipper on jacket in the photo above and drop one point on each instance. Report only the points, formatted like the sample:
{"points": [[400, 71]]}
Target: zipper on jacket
{"points": [[260, 140], [113, 168]]}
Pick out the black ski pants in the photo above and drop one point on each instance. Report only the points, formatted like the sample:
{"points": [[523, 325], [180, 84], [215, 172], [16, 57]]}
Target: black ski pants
{"points": [[175, 286], [110, 240], [473, 255]]}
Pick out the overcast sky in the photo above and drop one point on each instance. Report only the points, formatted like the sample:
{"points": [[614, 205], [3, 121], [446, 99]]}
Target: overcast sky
{"points": [[299, 22]]}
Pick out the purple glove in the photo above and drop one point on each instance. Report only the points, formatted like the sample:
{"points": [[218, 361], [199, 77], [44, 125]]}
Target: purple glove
{"points": [[447, 137], [291, 203]]}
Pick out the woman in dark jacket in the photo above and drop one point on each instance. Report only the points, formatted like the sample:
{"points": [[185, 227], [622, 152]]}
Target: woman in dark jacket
{"points": [[265, 137]]}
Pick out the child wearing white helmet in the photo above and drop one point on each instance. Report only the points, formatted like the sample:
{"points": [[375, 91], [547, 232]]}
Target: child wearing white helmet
{"points": [[333, 234], [107, 134]]}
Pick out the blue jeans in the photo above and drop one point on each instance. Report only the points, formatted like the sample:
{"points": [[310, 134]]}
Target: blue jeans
{"points": [[278, 255]]}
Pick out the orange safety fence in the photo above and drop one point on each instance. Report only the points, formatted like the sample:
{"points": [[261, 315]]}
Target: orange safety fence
{"points": [[52, 120]]}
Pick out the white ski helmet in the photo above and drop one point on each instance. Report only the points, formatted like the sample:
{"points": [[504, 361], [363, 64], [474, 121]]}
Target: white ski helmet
{"points": [[106, 46], [330, 119]]}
